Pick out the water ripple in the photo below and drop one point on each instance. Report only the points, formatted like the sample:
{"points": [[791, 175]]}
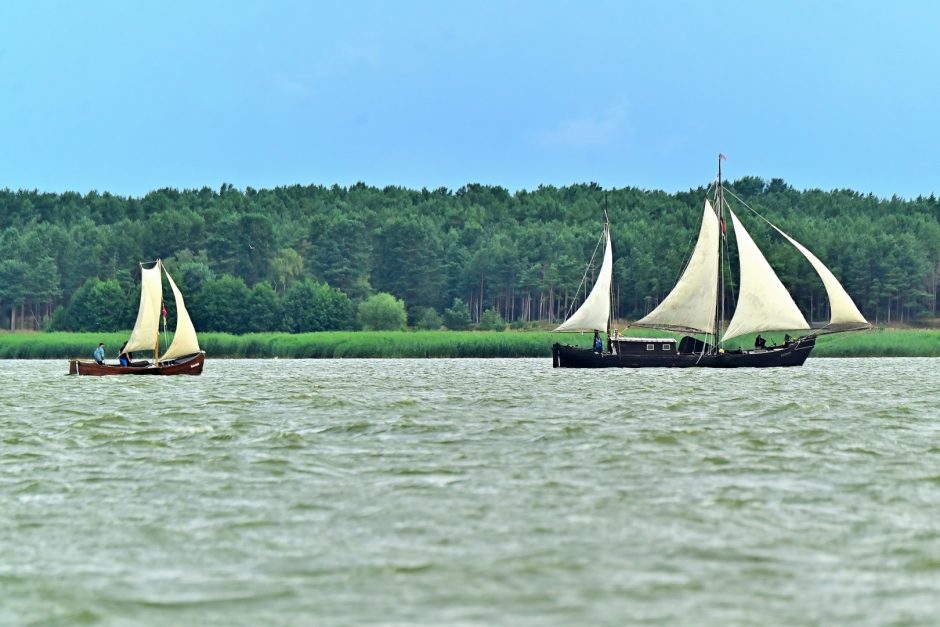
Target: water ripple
{"points": [[471, 492]]}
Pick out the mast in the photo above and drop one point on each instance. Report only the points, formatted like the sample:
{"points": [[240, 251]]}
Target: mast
{"points": [[720, 301], [610, 289], [156, 344]]}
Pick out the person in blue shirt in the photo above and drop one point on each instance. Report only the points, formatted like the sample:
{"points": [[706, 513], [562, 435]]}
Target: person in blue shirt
{"points": [[99, 353], [598, 345], [124, 358]]}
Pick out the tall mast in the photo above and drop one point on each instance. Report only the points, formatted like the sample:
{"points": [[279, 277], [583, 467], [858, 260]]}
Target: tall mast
{"points": [[720, 301], [156, 342], [610, 289]]}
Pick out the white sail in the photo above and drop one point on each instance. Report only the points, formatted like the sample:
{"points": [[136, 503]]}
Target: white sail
{"points": [[764, 304], [144, 335], [690, 306], [184, 341], [594, 313], [845, 315]]}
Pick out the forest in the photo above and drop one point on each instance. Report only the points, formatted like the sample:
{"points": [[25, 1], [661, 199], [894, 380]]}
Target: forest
{"points": [[302, 258]]}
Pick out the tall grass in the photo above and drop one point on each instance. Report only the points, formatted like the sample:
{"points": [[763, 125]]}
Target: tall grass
{"points": [[417, 344], [35, 345], [880, 343], [380, 344], [31, 345]]}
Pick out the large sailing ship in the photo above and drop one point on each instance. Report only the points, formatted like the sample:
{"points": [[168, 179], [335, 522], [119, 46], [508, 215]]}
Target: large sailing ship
{"points": [[183, 355], [695, 306]]}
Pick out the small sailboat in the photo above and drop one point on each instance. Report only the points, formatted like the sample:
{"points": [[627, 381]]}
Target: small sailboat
{"points": [[696, 306], [183, 356]]}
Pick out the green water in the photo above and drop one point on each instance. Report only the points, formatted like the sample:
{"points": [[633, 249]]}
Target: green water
{"points": [[473, 492]]}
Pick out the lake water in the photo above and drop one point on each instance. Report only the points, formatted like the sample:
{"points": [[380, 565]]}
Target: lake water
{"points": [[475, 492]]}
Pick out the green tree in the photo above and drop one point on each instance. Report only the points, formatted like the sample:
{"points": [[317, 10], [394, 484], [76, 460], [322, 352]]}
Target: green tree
{"points": [[192, 277], [286, 266], [99, 306], [42, 284], [258, 233], [12, 286], [457, 316], [343, 256], [491, 321], [265, 311], [382, 312], [410, 249], [311, 306], [223, 305], [428, 319]]}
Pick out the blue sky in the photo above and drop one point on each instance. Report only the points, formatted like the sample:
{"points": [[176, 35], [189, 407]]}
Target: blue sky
{"points": [[130, 96]]}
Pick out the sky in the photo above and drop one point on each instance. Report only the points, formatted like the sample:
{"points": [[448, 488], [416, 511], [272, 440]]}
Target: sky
{"points": [[130, 96]]}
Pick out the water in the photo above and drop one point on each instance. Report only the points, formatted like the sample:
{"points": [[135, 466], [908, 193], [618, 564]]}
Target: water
{"points": [[476, 492]]}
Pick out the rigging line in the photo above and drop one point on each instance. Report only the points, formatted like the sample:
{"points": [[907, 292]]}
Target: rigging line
{"points": [[748, 207], [776, 228], [756, 213], [731, 284], [688, 246], [584, 277], [771, 224], [728, 261]]}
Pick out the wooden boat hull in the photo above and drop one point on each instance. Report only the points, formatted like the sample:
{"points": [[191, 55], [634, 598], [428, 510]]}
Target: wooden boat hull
{"points": [[191, 365], [794, 354]]}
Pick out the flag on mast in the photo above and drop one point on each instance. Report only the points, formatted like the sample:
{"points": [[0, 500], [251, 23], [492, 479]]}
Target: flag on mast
{"points": [[721, 157]]}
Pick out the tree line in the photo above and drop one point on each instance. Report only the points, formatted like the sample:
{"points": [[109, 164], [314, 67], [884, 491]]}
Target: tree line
{"points": [[303, 258]]}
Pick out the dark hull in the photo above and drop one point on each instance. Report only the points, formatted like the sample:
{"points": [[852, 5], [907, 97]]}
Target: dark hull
{"points": [[191, 365], [777, 357]]}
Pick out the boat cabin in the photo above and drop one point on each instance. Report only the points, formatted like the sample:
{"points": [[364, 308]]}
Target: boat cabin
{"points": [[644, 345]]}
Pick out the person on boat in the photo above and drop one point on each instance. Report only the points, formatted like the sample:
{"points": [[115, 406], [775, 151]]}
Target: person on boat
{"points": [[99, 353], [787, 339], [124, 358], [598, 345], [760, 342]]}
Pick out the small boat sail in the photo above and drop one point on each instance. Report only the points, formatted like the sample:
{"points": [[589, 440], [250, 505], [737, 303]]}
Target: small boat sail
{"points": [[183, 356], [696, 306]]}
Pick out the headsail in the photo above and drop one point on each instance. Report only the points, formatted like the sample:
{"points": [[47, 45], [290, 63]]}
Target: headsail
{"points": [[764, 304], [845, 316], [690, 306], [146, 329], [184, 341], [594, 313]]}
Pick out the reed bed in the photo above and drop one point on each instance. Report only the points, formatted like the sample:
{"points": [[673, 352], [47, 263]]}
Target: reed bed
{"points": [[880, 343], [35, 345], [380, 344], [422, 344]]}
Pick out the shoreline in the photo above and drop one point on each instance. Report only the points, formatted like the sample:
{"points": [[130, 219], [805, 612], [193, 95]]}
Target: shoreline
{"points": [[878, 342]]}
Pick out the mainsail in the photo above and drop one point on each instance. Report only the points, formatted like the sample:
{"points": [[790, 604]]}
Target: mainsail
{"points": [[146, 329], [184, 341], [764, 304], [690, 306], [594, 313]]}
